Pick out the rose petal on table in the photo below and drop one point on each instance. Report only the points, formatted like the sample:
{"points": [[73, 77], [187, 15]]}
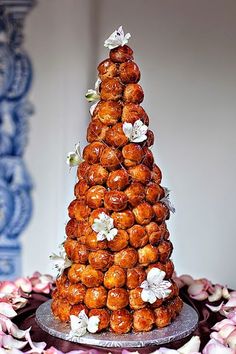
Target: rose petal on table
{"points": [[217, 294], [8, 342], [7, 287], [196, 288], [225, 293], [35, 347], [221, 324], [192, 346], [231, 340], [201, 296], [7, 310], [226, 330], [232, 316], [186, 279], [24, 284], [217, 337], [231, 302], [215, 308], [19, 302], [163, 351], [232, 294], [215, 347], [15, 331]]}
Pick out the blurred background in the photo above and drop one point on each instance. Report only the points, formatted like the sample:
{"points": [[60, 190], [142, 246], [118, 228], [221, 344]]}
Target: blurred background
{"points": [[186, 52]]}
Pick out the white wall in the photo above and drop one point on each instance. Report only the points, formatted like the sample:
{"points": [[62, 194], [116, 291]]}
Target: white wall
{"points": [[187, 54]]}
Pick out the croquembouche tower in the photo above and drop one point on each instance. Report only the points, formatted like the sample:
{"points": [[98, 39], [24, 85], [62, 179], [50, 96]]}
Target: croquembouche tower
{"points": [[116, 273]]}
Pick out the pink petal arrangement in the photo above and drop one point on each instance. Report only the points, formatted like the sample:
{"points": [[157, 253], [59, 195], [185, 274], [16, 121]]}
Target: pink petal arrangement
{"points": [[15, 295]]}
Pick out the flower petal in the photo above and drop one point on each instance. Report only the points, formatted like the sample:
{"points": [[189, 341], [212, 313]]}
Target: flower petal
{"points": [[24, 284], [111, 235], [231, 340], [231, 302], [93, 323], [191, 346], [7, 310], [215, 308], [201, 296], [8, 342], [217, 294], [215, 347], [148, 295], [187, 279], [196, 288], [155, 276], [221, 324]]}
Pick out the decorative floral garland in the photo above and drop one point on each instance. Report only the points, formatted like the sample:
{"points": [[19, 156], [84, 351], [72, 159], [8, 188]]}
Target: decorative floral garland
{"points": [[15, 295]]}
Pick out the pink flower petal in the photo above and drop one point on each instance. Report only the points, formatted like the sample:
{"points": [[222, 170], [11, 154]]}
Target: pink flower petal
{"points": [[186, 279], [7, 310], [217, 337], [215, 347], [201, 296], [36, 347], [226, 330], [232, 316], [215, 308], [8, 342], [7, 287], [231, 302], [192, 346], [15, 331], [221, 324], [24, 284], [225, 293], [232, 293], [196, 288], [231, 340]]}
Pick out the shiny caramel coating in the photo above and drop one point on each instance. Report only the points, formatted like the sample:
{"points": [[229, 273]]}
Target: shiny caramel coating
{"points": [[165, 249], [148, 159], [76, 293], [62, 285], [133, 154], [95, 298], [76, 309], [133, 93], [84, 228], [144, 320], [148, 254], [135, 300], [143, 213], [175, 306], [96, 175], [104, 318], [75, 272], [80, 254], [150, 139], [123, 219], [95, 214], [137, 236], [82, 170], [81, 189], [115, 277], [107, 69], [129, 72], [157, 303], [115, 200], [156, 175], [167, 267], [118, 180], [78, 210], [69, 246], [121, 54], [126, 258], [108, 112], [154, 192], [132, 112], [72, 228], [161, 211], [156, 232], [111, 158], [96, 131], [117, 299], [95, 196], [162, 316], [135, 276], [61, 309], [111, 89], [115, 136], [92, 277], [140, 173], [121, 321], [93, 244], [100, 259], [174, 291], [92, 152], [135, 194], [119, 242]]}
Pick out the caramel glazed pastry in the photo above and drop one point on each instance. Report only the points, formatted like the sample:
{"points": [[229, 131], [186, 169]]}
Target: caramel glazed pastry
{"points": [[119, 179]]}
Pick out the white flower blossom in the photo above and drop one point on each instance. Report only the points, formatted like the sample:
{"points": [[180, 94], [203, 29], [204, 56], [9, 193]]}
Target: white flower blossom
{"points": [[166, 200], [117, 38], [61, 261], [136, 132], [104, 226], [155, 287], [81, 324], [74, 158], [94, 94]]}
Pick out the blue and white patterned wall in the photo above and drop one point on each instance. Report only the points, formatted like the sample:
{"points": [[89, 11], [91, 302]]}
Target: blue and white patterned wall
{"points": [[15, 110]]}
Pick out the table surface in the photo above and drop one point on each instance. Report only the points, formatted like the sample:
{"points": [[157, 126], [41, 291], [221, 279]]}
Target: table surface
{"points": [[26, 319]]}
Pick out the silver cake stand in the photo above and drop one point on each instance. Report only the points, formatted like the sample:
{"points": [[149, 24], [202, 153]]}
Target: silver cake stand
{"points": [[181, 327]]}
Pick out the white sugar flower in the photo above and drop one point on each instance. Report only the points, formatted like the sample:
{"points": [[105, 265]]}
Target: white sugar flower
{"points": [[74, 158], [94, 95], [166, 200], [104, 226], [81, 324], [61, 261], [135, 132], [155, 287], [117, 38]]}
